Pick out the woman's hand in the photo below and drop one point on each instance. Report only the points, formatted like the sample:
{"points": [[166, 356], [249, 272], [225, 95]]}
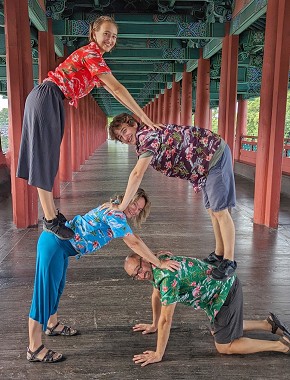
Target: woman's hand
{"points": [[152, 125], [145, 328], [172, 265], [148, 357]]}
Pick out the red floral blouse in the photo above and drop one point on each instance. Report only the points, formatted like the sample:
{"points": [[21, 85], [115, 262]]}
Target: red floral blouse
{"points": [[78, 74]]}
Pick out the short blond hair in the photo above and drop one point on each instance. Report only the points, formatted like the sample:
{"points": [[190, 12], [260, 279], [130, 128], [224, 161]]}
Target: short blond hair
{"points": [[141, 218]]}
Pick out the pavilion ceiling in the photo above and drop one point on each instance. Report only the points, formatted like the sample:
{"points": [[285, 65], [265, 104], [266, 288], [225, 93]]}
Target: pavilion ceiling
{"points": [[156, 40]]}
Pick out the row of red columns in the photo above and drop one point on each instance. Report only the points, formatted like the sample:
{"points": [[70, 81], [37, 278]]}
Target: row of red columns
{"points": [[167, 108], [174, 106], [85, 127]]}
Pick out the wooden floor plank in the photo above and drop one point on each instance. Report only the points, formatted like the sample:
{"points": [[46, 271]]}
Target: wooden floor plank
{"points": [[104, 303]]}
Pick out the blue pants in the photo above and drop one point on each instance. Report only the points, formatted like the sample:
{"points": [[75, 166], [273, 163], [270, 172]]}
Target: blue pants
{"points": [[50, 275]]}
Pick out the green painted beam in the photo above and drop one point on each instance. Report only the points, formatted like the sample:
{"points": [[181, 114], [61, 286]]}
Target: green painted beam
{"points": [[37, 15], [143, 68], [58, 46], [212, 47], [248, 15], [192, 31], [152, 54], [191, 65]]}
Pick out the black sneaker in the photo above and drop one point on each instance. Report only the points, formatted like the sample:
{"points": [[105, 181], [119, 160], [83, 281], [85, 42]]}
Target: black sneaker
{"points": [[225, 270], [213, 259], [62, 219], [58, 228]]}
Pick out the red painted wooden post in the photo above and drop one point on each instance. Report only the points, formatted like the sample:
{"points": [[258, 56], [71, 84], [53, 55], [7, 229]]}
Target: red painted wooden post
{"points": [[241, 129], [175, 102], [272, 114], [167, 105], [186, 99], [75, 153], [19, 84], [201, 117], [155, 116], [232, 92], [160, 108], [223, 84], [65, 165]]}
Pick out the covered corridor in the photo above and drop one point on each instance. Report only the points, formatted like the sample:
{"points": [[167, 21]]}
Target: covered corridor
{"points": [[104, 303]]}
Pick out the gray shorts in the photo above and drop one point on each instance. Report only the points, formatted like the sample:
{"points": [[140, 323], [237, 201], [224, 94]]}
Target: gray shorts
{"points": [[219, 192], [228, 323]]}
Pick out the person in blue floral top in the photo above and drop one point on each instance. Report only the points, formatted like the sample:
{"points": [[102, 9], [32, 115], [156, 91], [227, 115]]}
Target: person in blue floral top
{"points": [[92, 231], [196, 155], [192, 285]]}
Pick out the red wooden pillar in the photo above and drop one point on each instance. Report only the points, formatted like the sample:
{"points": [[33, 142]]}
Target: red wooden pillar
{"points": [[155, 116], [186, 99], [160, 108], [75, 143], [241, 129], [272, 113], [167, 99], [201, 117], [175, 103], [223, 84], [19, 84], [65, 165], [232, 91]]}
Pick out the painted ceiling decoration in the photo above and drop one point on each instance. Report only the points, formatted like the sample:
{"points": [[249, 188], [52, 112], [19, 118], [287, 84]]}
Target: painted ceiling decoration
{"points": [[156, 40]]}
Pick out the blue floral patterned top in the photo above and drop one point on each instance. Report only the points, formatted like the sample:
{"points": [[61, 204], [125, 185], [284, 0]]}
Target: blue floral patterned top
{"points": [[96, 229], [192, 285], [179, 151]]}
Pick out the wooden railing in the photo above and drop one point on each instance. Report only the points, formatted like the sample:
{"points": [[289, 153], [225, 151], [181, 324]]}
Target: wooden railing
{"points": [[249, 147]]}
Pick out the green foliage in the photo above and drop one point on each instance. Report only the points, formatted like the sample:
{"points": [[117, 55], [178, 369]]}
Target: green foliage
{"points": [[4, 129], [253, 117]]}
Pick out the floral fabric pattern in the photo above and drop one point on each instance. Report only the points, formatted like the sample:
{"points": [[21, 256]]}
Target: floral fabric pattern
{"points": [[78, 74], [96, 229], [192, 285], [179, 151]]}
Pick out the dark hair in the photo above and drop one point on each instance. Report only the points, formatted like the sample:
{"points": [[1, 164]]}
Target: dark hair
{"points": [[95, 25], [117, 122], [141, 218]]}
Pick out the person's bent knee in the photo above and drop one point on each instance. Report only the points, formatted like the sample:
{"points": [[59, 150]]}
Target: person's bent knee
{"points": [[224, 348], [221, 214]]}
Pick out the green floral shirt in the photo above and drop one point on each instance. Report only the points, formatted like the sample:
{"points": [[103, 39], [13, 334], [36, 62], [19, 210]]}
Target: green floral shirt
{"points": [[192, 285]]}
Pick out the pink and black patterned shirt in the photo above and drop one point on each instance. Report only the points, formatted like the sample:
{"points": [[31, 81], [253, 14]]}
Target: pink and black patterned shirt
{"points": [[179, 151], [78, 74]]}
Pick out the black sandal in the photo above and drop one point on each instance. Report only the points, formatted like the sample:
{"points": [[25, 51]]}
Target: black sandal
{"points": [[49, 357], [276, 324], [286, 342], [66, 331]]}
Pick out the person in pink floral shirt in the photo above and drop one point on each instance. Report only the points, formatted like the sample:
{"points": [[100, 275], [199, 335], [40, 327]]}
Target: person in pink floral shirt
{"points": [[43, 122], [192, 285], [197, 155]]}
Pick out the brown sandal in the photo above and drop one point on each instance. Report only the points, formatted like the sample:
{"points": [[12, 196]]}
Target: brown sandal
{"points": [[286, 342], [66, 331], [49, 357], [276, 324]]}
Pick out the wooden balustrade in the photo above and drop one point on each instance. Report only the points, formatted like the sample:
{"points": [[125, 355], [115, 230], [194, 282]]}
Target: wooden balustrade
{"points": [[248, 149]]}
